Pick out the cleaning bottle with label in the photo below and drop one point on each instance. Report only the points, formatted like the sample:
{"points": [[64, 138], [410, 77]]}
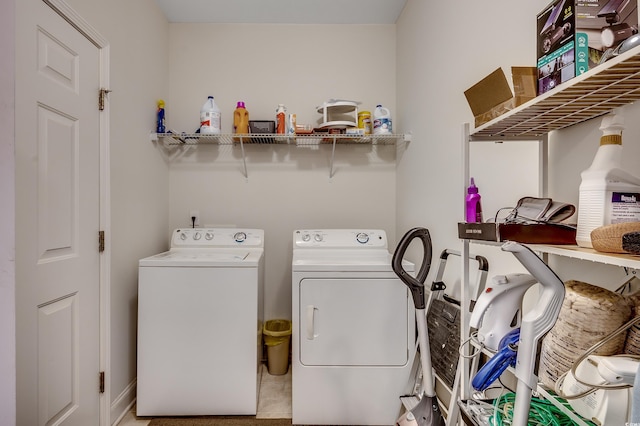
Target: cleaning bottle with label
{"points": [[608, 194], [281, 118], [472, 204], [240, 119], [210, 122], [160, 127], [382, 121]]}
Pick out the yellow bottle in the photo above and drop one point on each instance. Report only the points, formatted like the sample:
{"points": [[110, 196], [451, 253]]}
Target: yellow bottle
{"points": [[240, 119]]}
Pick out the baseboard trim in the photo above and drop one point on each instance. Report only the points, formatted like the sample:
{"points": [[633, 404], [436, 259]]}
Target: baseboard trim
{"points": [[123, 403]]}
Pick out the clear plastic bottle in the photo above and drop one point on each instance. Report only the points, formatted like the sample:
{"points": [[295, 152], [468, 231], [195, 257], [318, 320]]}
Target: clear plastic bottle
{"points": [[608, 194], [281, 119], [210, 120], [240, 119], [472, 204]]}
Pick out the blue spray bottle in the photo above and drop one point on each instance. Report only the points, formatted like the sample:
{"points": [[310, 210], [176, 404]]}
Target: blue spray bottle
{"points": [[160, 128]]}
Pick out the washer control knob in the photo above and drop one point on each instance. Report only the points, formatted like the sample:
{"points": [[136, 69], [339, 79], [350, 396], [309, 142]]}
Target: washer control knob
{"points": [[183, 236], [197, 236], [318, 237], [362, 238], [240, 237], [306, 237], [208, 236]]}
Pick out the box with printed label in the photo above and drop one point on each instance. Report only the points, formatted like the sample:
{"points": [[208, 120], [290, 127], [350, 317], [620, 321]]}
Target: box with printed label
{"points": [[601, 27], [556, 26]]}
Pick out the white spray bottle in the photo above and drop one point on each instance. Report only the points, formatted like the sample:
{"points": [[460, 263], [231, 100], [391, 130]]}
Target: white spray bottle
{"points": [[608, 194]]}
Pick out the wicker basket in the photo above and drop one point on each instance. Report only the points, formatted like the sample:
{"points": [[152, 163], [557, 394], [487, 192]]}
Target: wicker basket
{"points": [[608, 238], [588, 314], [632, 344]]}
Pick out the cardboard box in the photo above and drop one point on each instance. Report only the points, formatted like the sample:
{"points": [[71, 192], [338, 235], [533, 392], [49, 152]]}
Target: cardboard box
{"points": [[533, 234], [575, 36], [601, 25], [556, 53], [492, 96]]}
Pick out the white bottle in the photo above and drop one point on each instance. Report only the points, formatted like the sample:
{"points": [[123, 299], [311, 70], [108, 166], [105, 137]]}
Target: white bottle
{"points": [[210, 122], [608, 194], [382, 121]]}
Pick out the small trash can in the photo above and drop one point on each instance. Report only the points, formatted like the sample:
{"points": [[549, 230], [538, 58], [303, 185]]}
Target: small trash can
{"points": [[277, 334]]}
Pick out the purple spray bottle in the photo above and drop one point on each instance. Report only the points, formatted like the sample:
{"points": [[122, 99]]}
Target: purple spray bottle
{"points": [[472, 204]]}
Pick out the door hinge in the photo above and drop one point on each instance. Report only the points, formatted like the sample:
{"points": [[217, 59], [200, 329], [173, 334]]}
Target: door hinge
{"points": [[102, 382], [101, 96], [100, 241]]}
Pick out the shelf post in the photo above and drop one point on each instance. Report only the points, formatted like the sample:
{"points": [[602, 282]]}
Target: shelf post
{"points": [[464, 291], [244, 158]]}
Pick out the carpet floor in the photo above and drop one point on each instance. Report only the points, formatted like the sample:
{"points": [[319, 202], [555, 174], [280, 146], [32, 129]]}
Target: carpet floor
{"points": [[218, 421]]}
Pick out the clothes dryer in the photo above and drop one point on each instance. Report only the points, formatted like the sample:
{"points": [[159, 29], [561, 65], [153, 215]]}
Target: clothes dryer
{"points": [[353, 337], [200, 319]]}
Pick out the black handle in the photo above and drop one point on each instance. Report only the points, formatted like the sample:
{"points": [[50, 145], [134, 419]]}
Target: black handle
{"points": [[415, 284]]}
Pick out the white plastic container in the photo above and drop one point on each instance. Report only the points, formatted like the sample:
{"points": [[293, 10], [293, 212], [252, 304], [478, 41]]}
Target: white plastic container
{"points": [[608, 194], [382, 121], [210, 122]]}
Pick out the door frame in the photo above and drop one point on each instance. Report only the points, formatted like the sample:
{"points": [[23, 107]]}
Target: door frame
{"points": [[80, 24]]}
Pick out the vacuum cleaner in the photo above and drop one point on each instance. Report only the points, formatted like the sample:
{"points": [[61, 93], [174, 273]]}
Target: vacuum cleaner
{"points": [[427, 411], [519, 346]]}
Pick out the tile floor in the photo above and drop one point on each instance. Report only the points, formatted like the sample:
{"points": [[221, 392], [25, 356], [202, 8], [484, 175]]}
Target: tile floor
{"points": [[274, 400]]}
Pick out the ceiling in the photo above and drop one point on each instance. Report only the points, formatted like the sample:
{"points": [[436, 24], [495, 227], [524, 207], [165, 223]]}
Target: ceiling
{"points": [[283, 11]]}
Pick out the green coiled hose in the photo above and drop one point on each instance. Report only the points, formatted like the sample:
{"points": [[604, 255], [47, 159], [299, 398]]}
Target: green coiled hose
{"points": [[541, 413]]}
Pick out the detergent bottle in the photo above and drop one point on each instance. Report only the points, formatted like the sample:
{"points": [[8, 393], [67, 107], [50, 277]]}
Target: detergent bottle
{"points": [[240, 119], [382, 121], [210, 122], [281, 118], [472, 204], [608, 194], [160, 127]]}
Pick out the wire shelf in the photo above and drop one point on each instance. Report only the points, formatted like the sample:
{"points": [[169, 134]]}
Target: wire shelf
{"points": [[613, 84], [175, 139]]}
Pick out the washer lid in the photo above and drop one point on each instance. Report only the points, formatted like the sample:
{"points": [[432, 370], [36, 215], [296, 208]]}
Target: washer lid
{"points": [[204, 258]]}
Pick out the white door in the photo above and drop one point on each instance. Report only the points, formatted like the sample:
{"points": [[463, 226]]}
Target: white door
{"points": [[57, 220]]}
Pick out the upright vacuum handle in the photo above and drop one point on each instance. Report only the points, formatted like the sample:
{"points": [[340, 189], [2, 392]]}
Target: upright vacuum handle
{"points": [[416, 285]]}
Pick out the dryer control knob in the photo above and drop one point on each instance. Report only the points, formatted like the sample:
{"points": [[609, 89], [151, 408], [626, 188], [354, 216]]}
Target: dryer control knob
{"points": [[197, 236], [362, 238], [318, 237], [240, 237]]}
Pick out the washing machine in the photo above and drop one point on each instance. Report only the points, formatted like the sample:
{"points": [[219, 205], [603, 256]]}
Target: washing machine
{"points": [[353, 337], [200, 319]]}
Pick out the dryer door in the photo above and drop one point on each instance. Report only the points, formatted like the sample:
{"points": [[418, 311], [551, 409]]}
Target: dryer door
{"points": [[354, 321]]}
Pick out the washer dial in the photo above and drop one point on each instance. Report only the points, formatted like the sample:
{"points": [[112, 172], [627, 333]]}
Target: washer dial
{"points": [[362, 238]]}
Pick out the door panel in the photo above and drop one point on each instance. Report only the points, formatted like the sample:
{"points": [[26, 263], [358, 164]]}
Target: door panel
{"points": [[57, 220], [58, 173], [353, 321]]}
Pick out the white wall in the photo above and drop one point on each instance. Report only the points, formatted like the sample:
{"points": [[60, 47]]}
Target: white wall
{"points": [[288, 187], [7, 216]]}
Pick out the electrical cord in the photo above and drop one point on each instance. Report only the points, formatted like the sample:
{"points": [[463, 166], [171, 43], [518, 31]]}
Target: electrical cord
{"points": [[592, 387]]}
